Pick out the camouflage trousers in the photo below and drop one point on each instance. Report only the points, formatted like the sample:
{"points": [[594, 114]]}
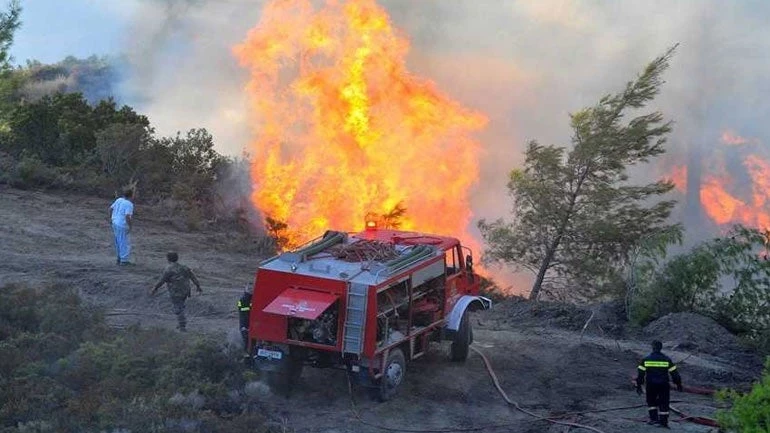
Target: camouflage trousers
{"points": [[178, 305]]}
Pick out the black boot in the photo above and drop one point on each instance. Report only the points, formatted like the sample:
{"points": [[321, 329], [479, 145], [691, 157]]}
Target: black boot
{"points": [[663, 420], [653, 411]]}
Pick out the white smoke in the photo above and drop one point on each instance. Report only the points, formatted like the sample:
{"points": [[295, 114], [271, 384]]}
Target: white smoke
{"points": [[180, 69]]}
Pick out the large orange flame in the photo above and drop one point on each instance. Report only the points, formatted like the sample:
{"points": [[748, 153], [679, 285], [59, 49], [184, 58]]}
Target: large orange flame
{"points": [[722, 200], [343, 130]]}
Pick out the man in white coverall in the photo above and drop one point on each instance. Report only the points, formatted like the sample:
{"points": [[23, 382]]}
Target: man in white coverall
{"points": [[121, 212]]}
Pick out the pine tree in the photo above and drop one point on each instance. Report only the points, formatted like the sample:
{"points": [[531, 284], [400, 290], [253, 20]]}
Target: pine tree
{"points": [[575, 213]]}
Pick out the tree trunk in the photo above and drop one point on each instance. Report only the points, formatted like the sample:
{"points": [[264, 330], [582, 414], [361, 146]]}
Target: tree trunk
{"points": [[533, 295], [551, 251]]}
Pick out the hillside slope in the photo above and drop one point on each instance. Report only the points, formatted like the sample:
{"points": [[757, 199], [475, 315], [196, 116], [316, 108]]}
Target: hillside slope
{"points": [[65, 239]]}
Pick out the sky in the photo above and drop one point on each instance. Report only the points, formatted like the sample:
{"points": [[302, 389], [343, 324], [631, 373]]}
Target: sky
{"points": [[54, 29]]}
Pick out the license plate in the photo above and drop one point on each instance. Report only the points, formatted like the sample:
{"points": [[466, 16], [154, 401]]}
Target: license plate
{"points": [[272, 354]]}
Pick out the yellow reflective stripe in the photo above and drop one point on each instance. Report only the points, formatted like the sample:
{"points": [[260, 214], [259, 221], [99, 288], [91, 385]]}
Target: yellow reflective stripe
{"points": [[641, 367], [664, 364], [673, 367], [245, 308]]}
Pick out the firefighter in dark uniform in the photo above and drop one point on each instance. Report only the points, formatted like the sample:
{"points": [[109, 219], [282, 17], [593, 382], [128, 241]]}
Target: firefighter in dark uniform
{"points": [[244, 310], [654, 371]]}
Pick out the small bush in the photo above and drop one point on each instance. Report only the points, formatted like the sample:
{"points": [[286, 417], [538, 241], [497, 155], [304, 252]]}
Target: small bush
{"points": [[31, 172], [750, 413], [682, 285], [758, 341]]}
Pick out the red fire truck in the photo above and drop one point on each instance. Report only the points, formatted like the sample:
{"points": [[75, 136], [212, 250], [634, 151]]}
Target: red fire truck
{"points": [[366, 302]]}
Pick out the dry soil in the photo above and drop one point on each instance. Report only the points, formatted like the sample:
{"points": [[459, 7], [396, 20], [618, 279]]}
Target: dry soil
{"points": [[538, 352]]}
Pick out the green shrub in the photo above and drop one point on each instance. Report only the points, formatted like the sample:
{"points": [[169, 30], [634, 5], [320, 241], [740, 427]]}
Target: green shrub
{"points": [[726, 278], [61, 140], [683, 284], [31, 172], [62, 369], [750, 413], [758, 341]]}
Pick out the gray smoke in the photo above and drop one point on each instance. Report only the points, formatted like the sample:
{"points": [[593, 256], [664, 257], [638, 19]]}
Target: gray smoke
{"points": [[526, 64], [181, 71]]}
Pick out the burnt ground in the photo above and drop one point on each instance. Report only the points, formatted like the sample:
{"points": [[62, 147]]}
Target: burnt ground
{"points": [[540, 357]]}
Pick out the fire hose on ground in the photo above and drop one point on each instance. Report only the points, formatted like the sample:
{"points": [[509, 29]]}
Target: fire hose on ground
{"points": [[492, 375], [551, 419]]}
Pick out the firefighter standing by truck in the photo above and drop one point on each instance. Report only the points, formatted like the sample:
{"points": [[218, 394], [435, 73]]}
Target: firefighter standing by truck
{"points": [[244, 309], [654, 371]]}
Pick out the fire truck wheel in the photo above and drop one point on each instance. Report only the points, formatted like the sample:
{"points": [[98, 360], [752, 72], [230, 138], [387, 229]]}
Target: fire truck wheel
{"points": [[395, 368], [462, 340], [282, 381]]}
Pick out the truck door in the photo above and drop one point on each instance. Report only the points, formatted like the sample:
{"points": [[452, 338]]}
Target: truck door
{"points": [[452, 259]]}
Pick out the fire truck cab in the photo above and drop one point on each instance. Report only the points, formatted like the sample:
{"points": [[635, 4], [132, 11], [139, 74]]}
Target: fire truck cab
{"points": [[367, 302]]}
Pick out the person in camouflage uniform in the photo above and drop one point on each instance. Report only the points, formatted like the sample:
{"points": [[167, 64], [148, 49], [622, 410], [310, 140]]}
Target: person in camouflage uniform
{"points": [[177, 278]]}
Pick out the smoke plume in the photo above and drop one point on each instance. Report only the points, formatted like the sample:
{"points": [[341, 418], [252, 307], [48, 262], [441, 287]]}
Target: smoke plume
{"points": [[181, 70], [526, 64]]}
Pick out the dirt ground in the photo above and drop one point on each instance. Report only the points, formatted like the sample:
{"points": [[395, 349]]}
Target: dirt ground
{"points": [[541, 359]]}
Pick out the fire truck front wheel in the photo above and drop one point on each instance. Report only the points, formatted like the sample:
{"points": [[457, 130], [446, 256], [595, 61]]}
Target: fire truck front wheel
{"points": [[393, 375], [462, 340]]}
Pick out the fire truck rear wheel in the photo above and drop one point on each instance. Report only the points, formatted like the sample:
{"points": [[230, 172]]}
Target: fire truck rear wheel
{"points": [[283, 381], [393, 375], [462, 340]]}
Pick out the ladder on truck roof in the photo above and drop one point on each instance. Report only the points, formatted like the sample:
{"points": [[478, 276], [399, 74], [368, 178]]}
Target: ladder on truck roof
{"points": [[355, 317]]}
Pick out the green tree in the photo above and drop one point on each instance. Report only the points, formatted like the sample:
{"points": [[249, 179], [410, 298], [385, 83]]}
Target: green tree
{"points": [[57, 129], [727, 278], [575, 212], [118, 148], [10, 21], [61, 129], [106, 112], [195, 164]]}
